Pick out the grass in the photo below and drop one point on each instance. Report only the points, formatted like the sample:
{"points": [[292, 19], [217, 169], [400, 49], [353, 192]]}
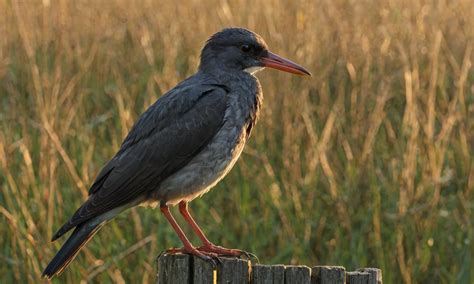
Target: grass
{"points": [[367, 163]]}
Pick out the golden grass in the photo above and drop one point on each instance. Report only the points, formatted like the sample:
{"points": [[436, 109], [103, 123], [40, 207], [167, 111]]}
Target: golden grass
{"points": [[367, 163]]}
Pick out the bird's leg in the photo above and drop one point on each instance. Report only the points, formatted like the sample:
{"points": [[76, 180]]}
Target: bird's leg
{"points": [[188, 247], [207, 245]]}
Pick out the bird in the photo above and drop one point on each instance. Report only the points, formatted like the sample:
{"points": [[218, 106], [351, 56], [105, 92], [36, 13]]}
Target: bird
{"points": [[182, 145]]}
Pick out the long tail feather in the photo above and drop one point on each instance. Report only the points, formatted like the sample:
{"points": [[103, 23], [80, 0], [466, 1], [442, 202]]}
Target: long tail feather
{"points": [[81, 235]]}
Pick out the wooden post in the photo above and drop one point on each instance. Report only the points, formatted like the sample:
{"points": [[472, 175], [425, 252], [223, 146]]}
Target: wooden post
{"points": [[357, 277], [181, 268], [268, 274], [297, 274], [375, 275], [233, 270], [173, 269], [328, 274], [202, 271], [275, 274]]}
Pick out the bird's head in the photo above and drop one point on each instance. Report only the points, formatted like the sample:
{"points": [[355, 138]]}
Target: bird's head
{"points": [[238, 49]]}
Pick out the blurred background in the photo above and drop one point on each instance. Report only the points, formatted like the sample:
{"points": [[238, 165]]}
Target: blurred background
{"points": [[366, 164]]}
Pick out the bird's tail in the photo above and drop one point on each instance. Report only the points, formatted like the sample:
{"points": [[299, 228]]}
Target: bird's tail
{"points": [[81, 235]]}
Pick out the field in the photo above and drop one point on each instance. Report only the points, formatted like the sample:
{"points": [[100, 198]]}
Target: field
{"points": [[367, 163]]}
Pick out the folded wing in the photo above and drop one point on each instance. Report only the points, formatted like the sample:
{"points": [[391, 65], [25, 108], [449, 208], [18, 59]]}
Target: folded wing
{"points": [[165, 138]]}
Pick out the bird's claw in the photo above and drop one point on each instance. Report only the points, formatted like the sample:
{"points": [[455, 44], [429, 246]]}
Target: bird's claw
{"points": [[249, 256], [211, 253], [220, 251], [211, 258]]}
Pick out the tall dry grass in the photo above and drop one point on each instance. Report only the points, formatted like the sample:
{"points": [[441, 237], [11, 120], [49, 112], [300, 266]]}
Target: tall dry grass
{"points": [[367, 163]]}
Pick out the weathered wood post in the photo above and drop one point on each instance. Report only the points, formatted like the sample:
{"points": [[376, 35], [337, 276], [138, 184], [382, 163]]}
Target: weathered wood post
{"points": [[375, 275], [174, 269], [328, 274], [268, 274], [190, 269], [357, 277]]}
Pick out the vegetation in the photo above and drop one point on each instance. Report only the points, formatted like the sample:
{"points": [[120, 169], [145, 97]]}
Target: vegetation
{"points": [[367, 163]]}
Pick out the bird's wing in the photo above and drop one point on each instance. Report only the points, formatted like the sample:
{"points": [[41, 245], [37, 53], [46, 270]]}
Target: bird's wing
{"points": [[165, 138]]}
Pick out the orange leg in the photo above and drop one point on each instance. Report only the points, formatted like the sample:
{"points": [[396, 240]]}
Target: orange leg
{"points": [[188, 247], [207, 245]]}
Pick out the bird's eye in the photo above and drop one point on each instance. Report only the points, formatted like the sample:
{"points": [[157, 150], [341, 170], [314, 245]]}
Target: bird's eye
{"points": [[245, 48]]}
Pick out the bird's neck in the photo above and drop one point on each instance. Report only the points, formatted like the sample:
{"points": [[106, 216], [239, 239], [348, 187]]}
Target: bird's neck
{"points": [[227, 76]]}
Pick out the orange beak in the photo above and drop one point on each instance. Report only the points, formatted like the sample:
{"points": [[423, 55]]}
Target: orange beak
{"points": [[272, 60]]}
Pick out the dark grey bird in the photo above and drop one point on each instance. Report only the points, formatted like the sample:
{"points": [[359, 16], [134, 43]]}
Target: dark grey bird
{"points": [[182, 145]]}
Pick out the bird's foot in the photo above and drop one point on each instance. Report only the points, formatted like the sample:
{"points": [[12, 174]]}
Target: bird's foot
{"points": [[210, 257], [221, 251]]}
